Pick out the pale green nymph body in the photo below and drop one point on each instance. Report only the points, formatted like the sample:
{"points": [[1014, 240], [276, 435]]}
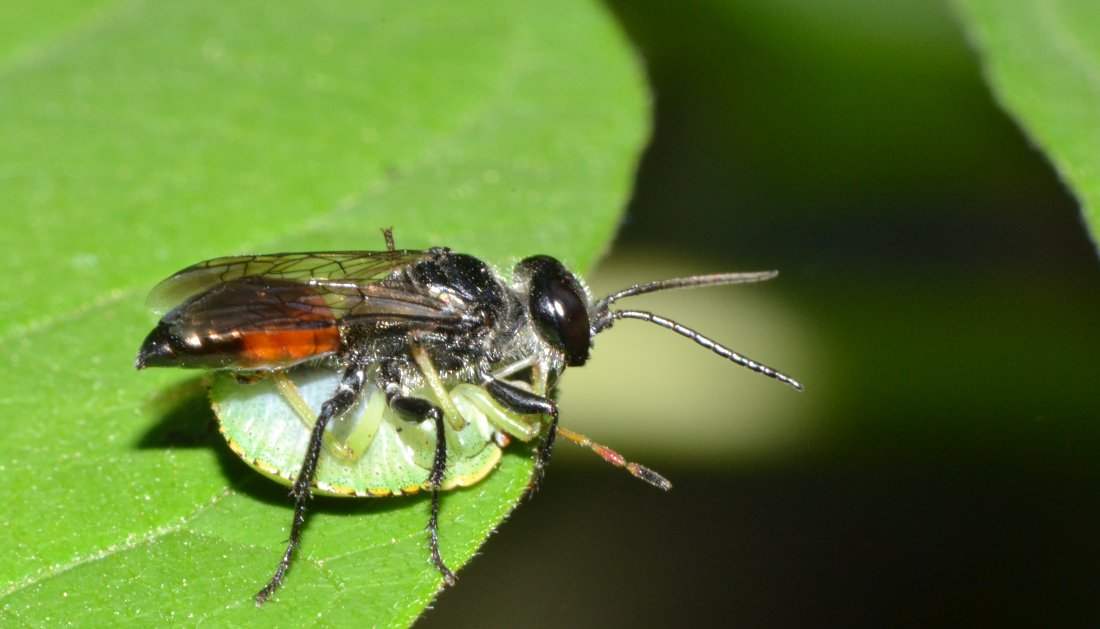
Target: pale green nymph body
{"points": [[370, 450]]}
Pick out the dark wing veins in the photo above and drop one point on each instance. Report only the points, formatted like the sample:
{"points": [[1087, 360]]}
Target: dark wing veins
{"points": [[344, 269], [368, 292]]}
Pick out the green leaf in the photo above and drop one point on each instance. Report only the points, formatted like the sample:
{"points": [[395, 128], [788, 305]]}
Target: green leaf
{"points": [[138, 137], [1042, 58]]}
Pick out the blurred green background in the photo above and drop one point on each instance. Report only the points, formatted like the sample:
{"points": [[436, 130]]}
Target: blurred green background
{"points": [[938, 296]]}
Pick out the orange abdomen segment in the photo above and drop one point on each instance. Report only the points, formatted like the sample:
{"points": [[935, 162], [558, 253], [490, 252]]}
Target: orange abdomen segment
{"points": [[260, 348], [247, 323], [293, 324]]}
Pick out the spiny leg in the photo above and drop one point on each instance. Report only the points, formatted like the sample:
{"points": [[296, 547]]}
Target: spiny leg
{"points": [[347, 394], [616, 459], [526, 403], [418, 409]]}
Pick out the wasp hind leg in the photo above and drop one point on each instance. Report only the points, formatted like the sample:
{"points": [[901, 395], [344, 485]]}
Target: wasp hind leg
{"points": [[418, 409], [347, 394]]}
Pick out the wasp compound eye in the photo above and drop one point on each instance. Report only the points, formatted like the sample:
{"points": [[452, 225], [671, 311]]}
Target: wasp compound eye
{"points": [[559, 307]]}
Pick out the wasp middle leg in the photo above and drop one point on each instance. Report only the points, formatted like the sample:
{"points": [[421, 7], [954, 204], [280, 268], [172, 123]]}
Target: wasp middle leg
{"points": [[418, 409], [347, 394]]}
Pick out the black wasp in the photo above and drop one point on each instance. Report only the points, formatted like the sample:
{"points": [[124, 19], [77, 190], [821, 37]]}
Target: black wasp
{"points": [[415, 327]]}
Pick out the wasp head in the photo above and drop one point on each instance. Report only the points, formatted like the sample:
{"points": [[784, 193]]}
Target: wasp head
{"points": [[558, 304]]}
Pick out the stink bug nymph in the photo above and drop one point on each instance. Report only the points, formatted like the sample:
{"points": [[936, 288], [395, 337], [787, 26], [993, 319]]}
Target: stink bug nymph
{"points": [[392, 371]]}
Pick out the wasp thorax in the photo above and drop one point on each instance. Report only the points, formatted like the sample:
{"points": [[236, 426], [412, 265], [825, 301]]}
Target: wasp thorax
{"points": [[559, 307]]}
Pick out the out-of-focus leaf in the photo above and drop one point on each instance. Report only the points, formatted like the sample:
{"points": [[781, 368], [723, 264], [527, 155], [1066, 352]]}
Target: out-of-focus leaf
{"points": [[1042, 58]]}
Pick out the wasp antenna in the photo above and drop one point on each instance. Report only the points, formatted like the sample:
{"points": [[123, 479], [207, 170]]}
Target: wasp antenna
{"points": [[714, 279], [708, 343], [616, 459]]}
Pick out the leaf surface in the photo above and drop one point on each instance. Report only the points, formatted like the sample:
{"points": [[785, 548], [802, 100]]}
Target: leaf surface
{"points": [[139, 137]]}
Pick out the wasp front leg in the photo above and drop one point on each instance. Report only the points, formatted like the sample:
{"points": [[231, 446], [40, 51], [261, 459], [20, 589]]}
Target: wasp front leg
{"points": [[346, 395], [527, 403], [416, 410]]}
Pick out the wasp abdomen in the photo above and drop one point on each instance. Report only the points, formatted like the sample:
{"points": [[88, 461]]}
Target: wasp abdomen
{"points": [[248, 323]]}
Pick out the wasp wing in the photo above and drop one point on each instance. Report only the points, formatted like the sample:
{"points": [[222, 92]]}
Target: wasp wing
{"points": [[264, 305], [337, 270], [273, 311]]}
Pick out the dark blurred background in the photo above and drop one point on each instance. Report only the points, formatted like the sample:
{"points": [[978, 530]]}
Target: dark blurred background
{"points": [[939, 298]]}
